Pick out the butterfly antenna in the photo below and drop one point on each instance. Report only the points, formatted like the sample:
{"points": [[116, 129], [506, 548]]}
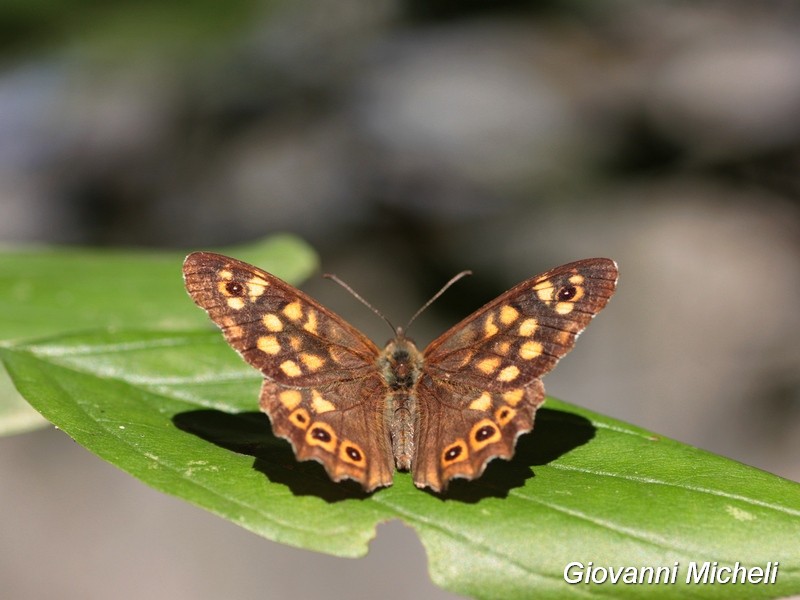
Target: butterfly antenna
{"points": [[358, 297], [437, 294]]}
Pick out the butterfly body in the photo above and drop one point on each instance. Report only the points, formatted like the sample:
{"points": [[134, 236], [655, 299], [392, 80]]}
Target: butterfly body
{"points": [[361, 412], [401, 364]]}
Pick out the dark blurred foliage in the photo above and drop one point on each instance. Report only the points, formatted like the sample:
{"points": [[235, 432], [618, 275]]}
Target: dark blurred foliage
{"points": [[38, 25]]}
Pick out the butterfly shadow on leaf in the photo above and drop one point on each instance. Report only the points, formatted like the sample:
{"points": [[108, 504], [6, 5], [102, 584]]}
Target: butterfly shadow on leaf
{"points": [[249, 433], [556, 433]]}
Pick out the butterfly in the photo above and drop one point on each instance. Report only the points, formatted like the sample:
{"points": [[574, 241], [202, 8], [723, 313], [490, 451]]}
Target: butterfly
{"points": [[360, 411]]}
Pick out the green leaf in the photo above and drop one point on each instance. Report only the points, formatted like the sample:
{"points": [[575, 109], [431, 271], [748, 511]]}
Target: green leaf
{"points": [[45, 292], [177, 409]]}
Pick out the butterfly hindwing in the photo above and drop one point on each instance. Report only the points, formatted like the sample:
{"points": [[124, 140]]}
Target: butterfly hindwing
{"points": [[339, 424], [462, 428]]}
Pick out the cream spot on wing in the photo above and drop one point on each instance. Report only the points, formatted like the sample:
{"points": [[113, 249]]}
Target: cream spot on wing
{"points": [[226, 275], [488, 365], [545, 294], [234, 331], [272, 322], [513, 396], [508, 314], [236, 303], [259, 281], [255, 287], [290, 368], [294, 310], [527, 327], [311, 324], [563, 337], [489, 328], [268, 344], [312, 362], [577, 279], [564, 308], [503, 347], [319, 404], [530, 350], [290, 398], [510, 373], [295, 342], [482, 402]]}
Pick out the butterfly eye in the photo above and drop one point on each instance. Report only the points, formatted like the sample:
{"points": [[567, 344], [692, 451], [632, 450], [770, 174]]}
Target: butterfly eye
{"points": [[567, 293], [234, 288]]}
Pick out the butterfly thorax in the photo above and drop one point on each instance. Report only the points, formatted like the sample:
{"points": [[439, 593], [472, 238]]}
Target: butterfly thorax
{"points": [[400, 363]]}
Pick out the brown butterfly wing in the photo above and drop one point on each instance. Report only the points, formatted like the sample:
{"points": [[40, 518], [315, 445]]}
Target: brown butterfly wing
{"points": [[322, 390], [338, 424], [481, 386]]}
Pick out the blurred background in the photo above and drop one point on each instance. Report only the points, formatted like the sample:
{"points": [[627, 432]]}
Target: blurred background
{"points": [[407, 141]]}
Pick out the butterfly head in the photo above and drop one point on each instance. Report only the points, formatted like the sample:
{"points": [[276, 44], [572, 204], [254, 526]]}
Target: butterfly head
{"points": [[401, 362]]}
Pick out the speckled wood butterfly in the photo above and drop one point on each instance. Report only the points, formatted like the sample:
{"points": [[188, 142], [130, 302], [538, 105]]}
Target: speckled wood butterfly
{"points": [[361, 411]]}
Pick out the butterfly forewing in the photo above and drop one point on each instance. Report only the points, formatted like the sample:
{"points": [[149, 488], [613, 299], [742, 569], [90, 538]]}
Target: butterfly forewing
{"points": [[521, 334], [278, 329]]}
